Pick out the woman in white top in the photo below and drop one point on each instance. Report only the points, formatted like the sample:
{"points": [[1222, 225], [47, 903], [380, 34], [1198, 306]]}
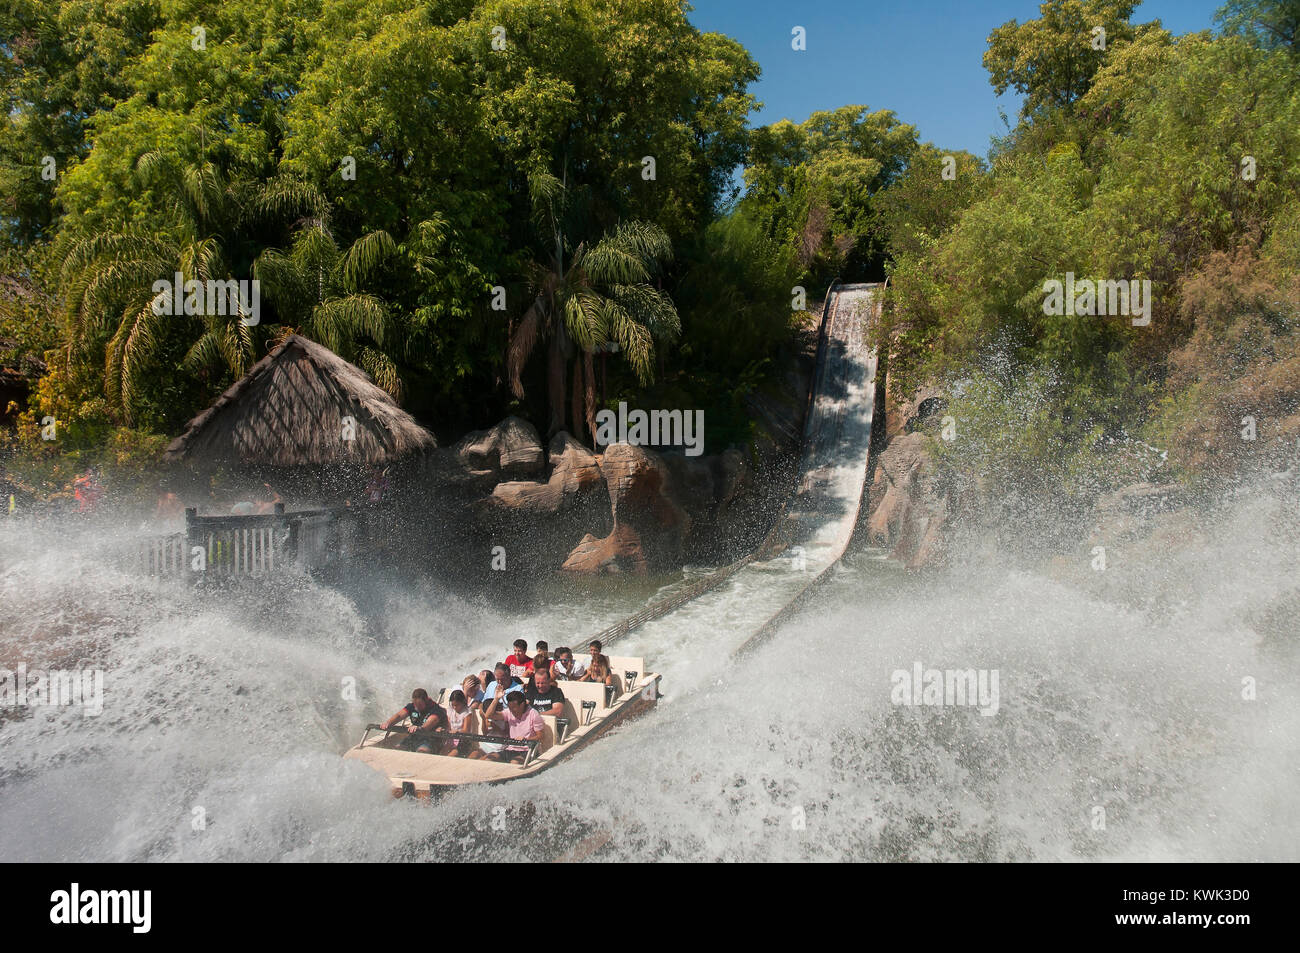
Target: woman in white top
{"points": [[460, 718]]}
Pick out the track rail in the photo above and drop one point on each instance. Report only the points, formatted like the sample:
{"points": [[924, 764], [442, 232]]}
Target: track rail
{"points": [[832, 472]]}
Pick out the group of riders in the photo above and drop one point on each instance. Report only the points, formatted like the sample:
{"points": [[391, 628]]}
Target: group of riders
{"points": [[511, 698]]}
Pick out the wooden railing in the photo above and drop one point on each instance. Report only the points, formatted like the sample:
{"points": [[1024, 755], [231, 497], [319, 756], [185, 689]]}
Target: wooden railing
{"points": [[163, 556], [252, 545]]}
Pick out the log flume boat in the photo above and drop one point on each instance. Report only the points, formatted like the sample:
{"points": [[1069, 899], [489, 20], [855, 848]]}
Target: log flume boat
{"points": [[590, 710]]}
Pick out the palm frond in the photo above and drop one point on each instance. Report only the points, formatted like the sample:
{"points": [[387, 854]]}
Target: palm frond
{"points": [[650, 307], [522, 343], [204, 353], [607, 263], [382, 371], [287, 197], [633, 339], [203, 260], [137, 337], [584, 319], [366, 254], [359, 315], [202, 188], [283, 284]]}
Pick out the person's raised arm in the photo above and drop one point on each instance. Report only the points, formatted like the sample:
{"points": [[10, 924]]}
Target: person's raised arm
{"points": [[498, 699], [491, 717]]}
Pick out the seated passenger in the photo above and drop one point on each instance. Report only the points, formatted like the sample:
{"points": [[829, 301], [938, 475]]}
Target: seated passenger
{"points": [[540, 663], [523, 724], [473, 690], [499, 686], [544, 651], [544, 695], [598, 671], [520, 662], [565, 668], [459, 718], [425, 716]]}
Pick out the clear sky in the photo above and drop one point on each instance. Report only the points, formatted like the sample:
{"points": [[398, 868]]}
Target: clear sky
{"points": [[920, 58]]}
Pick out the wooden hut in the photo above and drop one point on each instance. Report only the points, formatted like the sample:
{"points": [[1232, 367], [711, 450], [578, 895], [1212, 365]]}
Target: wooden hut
{"points": [[303, 409]]}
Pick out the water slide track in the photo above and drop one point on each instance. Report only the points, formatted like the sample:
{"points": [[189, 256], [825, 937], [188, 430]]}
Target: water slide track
{"points": [[818, 521]]}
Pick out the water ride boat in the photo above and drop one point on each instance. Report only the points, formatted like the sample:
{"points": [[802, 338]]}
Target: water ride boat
{"points": [[590, 710]]}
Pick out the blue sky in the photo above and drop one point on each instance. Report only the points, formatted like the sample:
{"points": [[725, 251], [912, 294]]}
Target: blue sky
{"points": [[920, 58]]}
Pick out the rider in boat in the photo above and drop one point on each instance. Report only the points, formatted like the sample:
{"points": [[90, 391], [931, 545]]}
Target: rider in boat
{"points": [[521, 720], [425, 715]]}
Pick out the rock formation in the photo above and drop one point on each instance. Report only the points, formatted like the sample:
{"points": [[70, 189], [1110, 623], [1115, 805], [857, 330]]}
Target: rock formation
{"points": [[508, 451], [907, 511], [650, 525]]}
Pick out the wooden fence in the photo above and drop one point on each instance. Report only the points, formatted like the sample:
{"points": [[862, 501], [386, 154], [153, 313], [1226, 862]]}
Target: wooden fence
{"points": [[252, 545]]}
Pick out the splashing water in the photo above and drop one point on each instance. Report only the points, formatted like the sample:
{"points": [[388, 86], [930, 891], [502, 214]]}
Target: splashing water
{"points": [[225, 716]]}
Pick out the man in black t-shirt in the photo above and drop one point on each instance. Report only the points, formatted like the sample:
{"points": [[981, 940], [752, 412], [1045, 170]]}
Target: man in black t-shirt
{"points": [[425, 716], [544, 694]]}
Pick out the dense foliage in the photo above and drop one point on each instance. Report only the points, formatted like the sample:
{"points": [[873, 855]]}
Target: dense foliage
{"points": [[527, 206], [1159, 158], [375, 165]]}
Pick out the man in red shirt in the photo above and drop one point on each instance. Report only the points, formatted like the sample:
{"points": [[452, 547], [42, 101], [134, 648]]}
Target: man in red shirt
{"points": [[520, 663]]}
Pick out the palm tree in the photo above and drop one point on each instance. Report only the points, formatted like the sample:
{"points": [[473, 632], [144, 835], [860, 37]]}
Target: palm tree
{"points": [[208, 232], [601, 295], [316, 290]]}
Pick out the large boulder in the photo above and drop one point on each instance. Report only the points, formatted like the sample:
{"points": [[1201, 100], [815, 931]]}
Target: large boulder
{"points": [[619, 552], [576, 473], [905, 415], [907, 510], [650, 526], [509, 451]]}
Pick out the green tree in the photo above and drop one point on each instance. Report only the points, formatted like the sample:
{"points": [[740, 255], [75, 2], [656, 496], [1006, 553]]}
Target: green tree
{"points": [[59, 65], [1272, 24], [1053, 59], [208, 230], [811, 187]]}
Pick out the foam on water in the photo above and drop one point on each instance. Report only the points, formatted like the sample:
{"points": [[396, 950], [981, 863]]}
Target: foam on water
{"points": [[229, 708]]}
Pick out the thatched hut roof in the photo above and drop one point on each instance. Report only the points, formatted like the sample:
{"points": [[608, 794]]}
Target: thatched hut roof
{"points": [[289, 411]]}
